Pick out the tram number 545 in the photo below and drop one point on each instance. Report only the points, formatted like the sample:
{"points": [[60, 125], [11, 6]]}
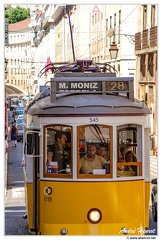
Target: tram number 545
{"points": [[94, 119]]}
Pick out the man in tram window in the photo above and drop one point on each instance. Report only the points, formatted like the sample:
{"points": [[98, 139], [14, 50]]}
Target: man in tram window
{"points": [[91, 160], [57, 153]]}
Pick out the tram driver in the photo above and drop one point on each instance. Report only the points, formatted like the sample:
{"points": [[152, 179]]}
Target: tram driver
{"points": [[57, 153], [91, 160]]}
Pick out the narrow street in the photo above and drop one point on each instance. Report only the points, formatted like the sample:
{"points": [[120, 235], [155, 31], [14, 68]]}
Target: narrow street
{"points": [[14, 190], [15, 196]]}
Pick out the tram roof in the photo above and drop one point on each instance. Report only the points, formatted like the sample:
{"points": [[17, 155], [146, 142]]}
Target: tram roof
{"points": [[81, 104]]}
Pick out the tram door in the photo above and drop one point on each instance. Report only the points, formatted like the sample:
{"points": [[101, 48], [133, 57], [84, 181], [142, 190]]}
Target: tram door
{"points": [[33, 162]]}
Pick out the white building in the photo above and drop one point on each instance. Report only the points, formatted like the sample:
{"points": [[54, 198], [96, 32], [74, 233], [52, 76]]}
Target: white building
{"points": [[94, 28], [18, 53]]}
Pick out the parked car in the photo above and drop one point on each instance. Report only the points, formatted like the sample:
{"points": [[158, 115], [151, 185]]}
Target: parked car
{"points": [[20, 132], [28, 97], [20, 119], [18, 111], [154, 199]]}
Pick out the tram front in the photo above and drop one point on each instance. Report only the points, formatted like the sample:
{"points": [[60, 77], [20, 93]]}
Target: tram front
{"points": [[87, 157]]}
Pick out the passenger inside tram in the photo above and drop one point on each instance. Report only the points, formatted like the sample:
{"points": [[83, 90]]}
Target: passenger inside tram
{"points": [[91, 161], [127, 170], [101, 151], [57, 153], [130, 156]]}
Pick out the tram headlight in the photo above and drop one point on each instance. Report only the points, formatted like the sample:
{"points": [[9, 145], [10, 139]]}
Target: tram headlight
{"points": [[94, 215], [64, 231]]}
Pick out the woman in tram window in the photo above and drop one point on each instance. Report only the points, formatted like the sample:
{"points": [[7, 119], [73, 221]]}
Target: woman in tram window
{"points": [[130, 156]]}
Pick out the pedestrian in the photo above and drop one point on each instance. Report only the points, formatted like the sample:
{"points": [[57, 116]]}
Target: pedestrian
{"points": [[13, 132], [6, 144]]}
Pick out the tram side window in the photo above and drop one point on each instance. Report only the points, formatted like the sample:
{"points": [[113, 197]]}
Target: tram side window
{"points": [[129, 150], [57, 150], [94, 155]]}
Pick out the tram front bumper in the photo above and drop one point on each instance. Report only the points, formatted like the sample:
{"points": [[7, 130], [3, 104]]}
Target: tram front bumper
{"points": [[93, 229]]}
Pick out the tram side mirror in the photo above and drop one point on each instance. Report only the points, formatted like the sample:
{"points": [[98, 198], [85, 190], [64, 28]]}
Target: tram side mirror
{"points": [[30, 143]]}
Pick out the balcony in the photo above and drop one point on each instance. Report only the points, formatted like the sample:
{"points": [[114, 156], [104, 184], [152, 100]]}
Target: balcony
{"points": [[58, 10], [47, 22], [146, 39]]}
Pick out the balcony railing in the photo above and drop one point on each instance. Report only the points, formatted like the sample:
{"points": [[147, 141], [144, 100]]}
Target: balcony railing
{"points": [[146, 39]]}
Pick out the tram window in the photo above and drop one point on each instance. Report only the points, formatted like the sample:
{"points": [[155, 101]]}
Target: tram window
{"points": [[129, 150], [57, 151], [94, 151]]}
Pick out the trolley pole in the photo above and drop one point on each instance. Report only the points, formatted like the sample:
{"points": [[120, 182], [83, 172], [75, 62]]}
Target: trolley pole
{"points": [[71, 34]]}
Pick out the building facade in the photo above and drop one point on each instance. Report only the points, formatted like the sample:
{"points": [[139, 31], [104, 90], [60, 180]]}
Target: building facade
{"points": [[146, 65], [18, 53], [93, 29], [114, 24]]}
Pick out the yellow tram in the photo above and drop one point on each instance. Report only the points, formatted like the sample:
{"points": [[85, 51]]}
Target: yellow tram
{"points": [[88, 108]]}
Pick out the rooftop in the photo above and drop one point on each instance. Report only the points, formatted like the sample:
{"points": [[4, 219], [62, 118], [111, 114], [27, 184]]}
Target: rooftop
{"points": [[22, 25]]}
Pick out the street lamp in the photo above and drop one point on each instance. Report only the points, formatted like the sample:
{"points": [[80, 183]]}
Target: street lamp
{"points": [[113, 50]]}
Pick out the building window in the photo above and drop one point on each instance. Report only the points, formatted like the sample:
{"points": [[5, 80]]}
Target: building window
{"points": [[110, 27], [152, 15], [110, 21], [142, 65], [95, 18], [107, 32], [92, 19], [107, 24], [114, 27], [144, 17], [119, 26], [151, 64]]}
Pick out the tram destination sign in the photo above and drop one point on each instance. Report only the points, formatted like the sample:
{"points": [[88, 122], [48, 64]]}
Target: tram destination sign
{"points": [[77, 86], [72, 86]]}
